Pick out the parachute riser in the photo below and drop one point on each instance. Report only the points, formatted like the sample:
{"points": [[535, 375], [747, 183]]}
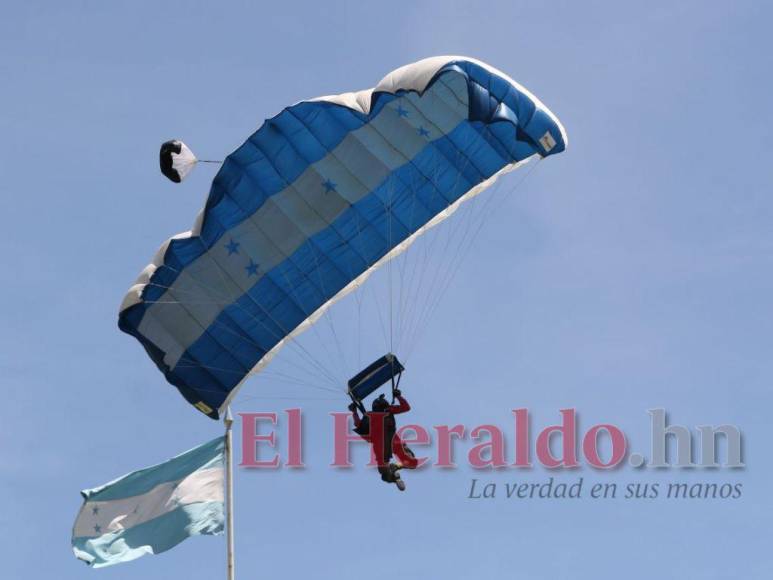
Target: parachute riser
{"points": [[396, 386]]}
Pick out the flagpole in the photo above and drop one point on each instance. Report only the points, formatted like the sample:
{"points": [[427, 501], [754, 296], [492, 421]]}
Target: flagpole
{"points": [[229, 529]]}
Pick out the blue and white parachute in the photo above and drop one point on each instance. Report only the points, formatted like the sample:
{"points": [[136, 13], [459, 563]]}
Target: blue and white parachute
{"points": [[313, 202]]}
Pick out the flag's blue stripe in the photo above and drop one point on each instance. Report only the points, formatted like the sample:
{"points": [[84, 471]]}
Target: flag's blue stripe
{"points": [[151, 537], [203, 457]]}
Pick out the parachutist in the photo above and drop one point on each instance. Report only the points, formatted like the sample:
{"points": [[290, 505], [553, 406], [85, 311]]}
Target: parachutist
{"points": [[379, 428]]}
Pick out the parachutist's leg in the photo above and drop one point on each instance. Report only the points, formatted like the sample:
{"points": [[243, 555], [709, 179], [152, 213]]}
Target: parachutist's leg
{"points": [[405, 455]]}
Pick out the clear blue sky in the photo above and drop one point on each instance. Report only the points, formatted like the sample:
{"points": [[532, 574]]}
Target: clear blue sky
{"points": [[633, 271]]}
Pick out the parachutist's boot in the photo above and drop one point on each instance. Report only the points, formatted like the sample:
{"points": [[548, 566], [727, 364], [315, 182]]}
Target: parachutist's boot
{"points": [[394, 470]]}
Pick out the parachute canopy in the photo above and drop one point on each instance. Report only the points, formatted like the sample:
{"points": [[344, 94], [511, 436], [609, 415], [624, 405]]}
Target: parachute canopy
{"points": [[176, 160], [312, 203]]}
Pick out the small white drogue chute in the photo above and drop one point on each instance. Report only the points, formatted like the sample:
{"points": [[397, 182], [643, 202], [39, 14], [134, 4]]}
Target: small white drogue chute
{"points": [[176, 160]]}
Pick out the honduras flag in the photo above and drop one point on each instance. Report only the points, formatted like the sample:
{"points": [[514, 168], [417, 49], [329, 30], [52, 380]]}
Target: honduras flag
{"points": [[154, 509]]}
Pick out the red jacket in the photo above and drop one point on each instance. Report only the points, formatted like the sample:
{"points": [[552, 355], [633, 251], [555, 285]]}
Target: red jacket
{"points": [[383, 452]]}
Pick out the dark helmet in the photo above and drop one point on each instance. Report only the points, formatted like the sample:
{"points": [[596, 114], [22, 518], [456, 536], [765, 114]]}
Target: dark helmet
{"points": [[380, 404]]}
